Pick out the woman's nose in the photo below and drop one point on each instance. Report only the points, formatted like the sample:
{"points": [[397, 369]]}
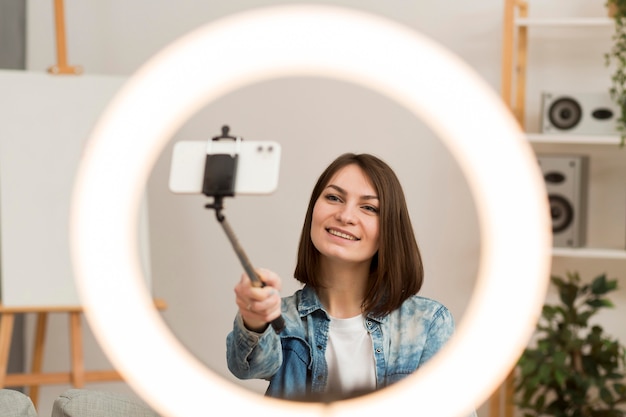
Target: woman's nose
{"points": [[346, 214]]}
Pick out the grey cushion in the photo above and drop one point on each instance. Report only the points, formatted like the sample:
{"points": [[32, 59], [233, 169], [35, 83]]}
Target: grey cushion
{"points": [[16, 404], [91, 403]]}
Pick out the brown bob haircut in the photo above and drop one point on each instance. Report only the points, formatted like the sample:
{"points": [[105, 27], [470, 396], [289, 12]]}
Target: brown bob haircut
{"points": [[396, 271]]}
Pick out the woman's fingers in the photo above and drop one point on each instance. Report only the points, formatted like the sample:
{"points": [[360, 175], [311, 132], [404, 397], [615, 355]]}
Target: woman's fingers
{"points": [[258, 305], [267, 302], [269, 278]]}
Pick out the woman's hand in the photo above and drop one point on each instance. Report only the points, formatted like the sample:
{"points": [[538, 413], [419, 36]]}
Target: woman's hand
{"points": [[258, 305]]}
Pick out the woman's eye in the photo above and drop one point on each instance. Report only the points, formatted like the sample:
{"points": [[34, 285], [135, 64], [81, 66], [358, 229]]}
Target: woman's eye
{"points": [[332, 197], [371, 208]]}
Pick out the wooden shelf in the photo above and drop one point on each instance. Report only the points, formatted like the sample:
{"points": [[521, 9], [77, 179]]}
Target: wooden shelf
{"points": [[515, 41], [573, 139], [564, 22], [595, 253]]}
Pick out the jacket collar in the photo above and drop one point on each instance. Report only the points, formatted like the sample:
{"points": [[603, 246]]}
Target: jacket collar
{"points": [[309, 302]]}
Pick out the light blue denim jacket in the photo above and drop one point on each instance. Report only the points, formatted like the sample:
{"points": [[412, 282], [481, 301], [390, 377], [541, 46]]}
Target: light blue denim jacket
{"points": [[294, 361]]}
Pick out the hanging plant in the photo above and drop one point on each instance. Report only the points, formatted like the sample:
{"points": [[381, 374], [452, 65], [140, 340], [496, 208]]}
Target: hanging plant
{"points": [[575, 369], [617, 57]]}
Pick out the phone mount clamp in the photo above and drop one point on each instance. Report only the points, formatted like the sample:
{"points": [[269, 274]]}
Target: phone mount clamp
{"points": [[220, 171]]}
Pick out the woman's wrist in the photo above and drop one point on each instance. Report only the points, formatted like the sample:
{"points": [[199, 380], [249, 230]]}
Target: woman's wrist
{"points": [[258, 327]]}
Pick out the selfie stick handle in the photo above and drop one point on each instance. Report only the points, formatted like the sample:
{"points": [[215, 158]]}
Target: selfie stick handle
{"points": [[278, 324], [220, 171]]}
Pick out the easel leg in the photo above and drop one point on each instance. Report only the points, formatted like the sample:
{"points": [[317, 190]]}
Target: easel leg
{"points": [[78, 367], [38, 350], [6, 332]]}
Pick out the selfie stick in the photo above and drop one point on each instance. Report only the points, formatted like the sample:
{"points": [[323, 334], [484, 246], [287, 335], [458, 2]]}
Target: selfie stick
{"points": [[219, 181]]}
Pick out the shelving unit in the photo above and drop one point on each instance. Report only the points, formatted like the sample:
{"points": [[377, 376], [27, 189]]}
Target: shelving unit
{"points": [[573, 139], [597, 253], [514, 66], [561, 22]]}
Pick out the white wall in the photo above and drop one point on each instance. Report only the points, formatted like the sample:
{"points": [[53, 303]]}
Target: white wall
{"points": [[193, 267]]}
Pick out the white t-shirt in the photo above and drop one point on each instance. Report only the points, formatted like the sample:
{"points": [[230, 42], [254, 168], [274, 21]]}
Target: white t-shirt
{"points": [[350, 357]]}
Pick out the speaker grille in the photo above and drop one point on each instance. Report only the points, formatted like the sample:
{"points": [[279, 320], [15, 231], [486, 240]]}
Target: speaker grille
{"points": [[565, 113], [566, 178], [561, 212]]}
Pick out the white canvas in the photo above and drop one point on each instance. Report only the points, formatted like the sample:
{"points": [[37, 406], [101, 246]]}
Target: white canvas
{"points": [[44, 123]]}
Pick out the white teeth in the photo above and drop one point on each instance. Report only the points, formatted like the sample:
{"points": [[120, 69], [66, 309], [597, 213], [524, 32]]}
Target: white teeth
{"points": [[342, 235]]}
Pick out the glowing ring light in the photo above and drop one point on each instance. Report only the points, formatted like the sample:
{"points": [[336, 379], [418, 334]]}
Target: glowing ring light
{"points": [[345, 45]]}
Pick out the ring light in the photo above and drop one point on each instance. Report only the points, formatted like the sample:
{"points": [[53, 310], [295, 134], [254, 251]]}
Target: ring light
{"points": [[345, 45]]}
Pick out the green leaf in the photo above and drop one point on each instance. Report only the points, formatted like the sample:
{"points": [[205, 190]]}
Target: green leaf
{"points": [[557, 281], [619, 388], [561, 377], [568, 294], [605, 395], [599, 302], [559, 358], [583, 318], [599, 285], [527, 366]]}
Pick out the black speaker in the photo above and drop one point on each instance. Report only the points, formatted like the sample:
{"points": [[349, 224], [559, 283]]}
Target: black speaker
{"points": [[566, 178], [579, 113]]}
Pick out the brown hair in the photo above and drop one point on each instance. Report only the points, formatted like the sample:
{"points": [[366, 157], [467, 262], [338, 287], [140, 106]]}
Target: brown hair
{"points": [[396, 270]]}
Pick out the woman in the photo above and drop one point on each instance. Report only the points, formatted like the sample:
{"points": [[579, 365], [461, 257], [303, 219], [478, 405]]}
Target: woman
{"points": [[357, 324]]}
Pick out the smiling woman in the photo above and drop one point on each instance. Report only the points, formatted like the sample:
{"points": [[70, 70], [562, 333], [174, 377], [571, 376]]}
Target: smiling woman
{"points": [[358, 324], [286, 41]]}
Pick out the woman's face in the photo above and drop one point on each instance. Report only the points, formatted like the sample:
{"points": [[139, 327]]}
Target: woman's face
{"points": [[345, 223]]}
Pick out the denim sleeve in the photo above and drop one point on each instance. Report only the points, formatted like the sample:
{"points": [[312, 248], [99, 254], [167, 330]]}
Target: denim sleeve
{"points": [[251, 355], [439, 332]]}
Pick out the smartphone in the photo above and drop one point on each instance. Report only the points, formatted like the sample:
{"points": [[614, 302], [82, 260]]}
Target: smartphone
{"points": [[258, 165]]}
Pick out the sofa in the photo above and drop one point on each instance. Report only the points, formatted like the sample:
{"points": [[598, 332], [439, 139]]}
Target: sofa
{"points": [[76, 403], [15, 404]]}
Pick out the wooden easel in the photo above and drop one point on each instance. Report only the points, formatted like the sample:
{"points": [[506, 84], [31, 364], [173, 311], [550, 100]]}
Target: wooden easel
{"points": [[77, 376], [61, 66]]}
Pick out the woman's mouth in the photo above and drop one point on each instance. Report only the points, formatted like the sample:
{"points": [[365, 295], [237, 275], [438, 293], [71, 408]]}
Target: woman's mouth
{"points": [[341, 234]]}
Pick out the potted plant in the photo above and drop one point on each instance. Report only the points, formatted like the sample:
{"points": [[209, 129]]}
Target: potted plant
{"points": [[617, 57], [573, 369]]}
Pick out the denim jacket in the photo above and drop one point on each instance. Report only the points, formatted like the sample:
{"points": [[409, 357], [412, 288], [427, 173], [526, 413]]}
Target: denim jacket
{"points": [[294, 360]]}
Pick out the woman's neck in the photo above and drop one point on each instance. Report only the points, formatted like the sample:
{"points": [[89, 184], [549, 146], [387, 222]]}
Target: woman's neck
{"points": [[344, 290]]}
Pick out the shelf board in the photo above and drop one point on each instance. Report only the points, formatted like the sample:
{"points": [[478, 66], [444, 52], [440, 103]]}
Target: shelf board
{"points": [[563, 22], [598, 253], [574, 139]]}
